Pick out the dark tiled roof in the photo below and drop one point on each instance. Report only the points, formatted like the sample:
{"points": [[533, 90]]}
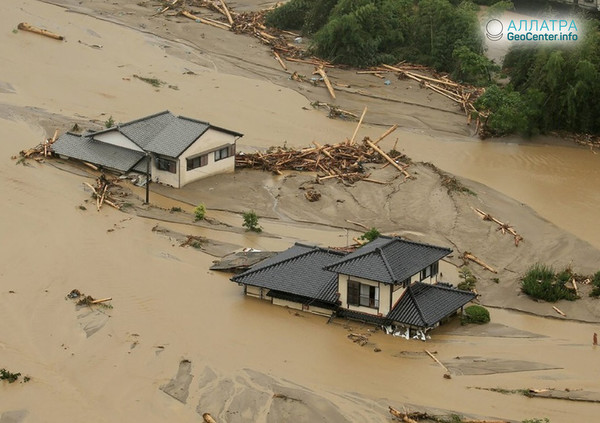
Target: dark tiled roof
{"points": [[389, 260], [85, 148], [164, 133], [423, 305], [297, 271]]}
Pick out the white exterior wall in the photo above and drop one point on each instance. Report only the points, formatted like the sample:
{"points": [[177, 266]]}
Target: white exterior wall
{"points": [[396, 295], [384, 295], [210, 141], [114, 137], [297, 306], [163, 176]]}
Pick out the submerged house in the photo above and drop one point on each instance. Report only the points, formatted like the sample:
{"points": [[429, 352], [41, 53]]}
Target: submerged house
{"points": [[174, 150], [389, 281]]}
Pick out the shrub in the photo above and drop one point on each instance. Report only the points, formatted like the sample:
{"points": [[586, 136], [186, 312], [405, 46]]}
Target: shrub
{"points": [[288, 16], [596, 285], [110, 122], [468, 279], [535, 420], [476, 314], [199, 212], [9, 376], [541, 282], [251, 221], [371, 234]]}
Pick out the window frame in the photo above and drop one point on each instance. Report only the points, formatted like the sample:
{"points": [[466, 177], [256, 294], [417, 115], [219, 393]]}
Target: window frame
{"points": [[196, 162], [166, 165], [356, 298]]}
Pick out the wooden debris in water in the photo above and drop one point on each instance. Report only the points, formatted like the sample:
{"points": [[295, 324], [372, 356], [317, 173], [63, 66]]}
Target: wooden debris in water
{"points": [[468, 256], [101, 192], [24, 26]]}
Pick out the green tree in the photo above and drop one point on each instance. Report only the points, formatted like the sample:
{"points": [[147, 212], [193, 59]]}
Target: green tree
{"points": [[371, 234], [251, 221], [199, 212]]}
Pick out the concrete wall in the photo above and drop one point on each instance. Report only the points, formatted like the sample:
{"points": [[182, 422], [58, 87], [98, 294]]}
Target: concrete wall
{"points": [[114, 137], [297, 306], [208, 143]]}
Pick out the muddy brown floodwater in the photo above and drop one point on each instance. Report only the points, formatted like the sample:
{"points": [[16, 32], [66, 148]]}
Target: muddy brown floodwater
{"points": [[248, 361]]}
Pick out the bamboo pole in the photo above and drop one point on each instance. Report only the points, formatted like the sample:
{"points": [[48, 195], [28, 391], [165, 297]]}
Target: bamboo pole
{"points": [[24, 26], [358, 126]]}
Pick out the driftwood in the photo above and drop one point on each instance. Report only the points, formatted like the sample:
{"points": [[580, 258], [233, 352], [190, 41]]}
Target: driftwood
{"points": [[323, 75], [206, 21], [447, 374], [468, 256], [101, 192], [388, 158], [24, 26], [385, 134], [103, 300], [208, 418], [559, 311], [358, 224], [416, 416], [278, 57], [504, 227]]}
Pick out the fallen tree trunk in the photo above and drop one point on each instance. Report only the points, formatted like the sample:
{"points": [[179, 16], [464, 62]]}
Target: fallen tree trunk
{"points": [[24, 26], [208, 418], [385, 134], [103, 300], [205, 21], [388, 158], [281, 63], [469, 256]]}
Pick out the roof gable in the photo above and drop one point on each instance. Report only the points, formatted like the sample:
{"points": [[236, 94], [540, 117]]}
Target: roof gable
{"points": [[389, 259]]}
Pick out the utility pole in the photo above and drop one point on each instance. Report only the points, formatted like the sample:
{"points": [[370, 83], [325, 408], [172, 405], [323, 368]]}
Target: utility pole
{"points": [[147, 178]]}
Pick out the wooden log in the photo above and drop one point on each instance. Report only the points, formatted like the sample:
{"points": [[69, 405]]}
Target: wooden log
{"points": [[91, 166], [205, 21], [93, 189], [208, 418], [376, 181], [110, 203], [358, 126], [469, 256], [388, 158], [447, 375], [103, 300], [321, 72], [559, 311], [575, 286], [101, 201], [358, 224], [24, 26], [400, 415], [281, 63], [227, 13], [385, 134]]}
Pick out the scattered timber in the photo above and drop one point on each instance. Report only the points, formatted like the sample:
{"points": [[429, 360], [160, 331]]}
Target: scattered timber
{"points": [[24, 26], [416, 416], [559, 311], [323, 75], [342, 161], [504, 227], [358, 125], [40, 151]]}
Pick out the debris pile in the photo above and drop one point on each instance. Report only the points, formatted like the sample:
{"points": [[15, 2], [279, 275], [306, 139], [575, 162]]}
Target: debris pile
{"points": [[83, 300], [101, 192], [343, 161], [504, 227], [40, 151], [358, 338]]}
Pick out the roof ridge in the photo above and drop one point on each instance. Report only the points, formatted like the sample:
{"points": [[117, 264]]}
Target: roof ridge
{"points": [[144, 118], [414, 300], [194, 120], [425, 244], [387, 265]]}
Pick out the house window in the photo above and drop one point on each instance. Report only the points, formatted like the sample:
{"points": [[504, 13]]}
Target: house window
{"points": [[166, 164], [195, 162], [402, 284], [429, 271], [361, 294], [224, 152]]}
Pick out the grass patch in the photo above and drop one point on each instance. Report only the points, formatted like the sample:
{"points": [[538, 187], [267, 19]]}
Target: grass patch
{"points": [[176, 209], [155, 82], [9, 376], [543, 283]]}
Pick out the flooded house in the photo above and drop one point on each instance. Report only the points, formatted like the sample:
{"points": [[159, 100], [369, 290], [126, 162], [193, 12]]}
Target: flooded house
{"points": [[173, 150], [390, 281]]}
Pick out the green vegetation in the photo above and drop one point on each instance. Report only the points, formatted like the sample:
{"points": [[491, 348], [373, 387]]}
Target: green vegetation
{"points": [[110, 122], [369, 32], [475, 314], [199, 212], [535, 420], [251, 221], [8, 376], [542, 282], [371, 234], [177, 209], [596, 285], [155, 82], [468, 279], [551, 88]]}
